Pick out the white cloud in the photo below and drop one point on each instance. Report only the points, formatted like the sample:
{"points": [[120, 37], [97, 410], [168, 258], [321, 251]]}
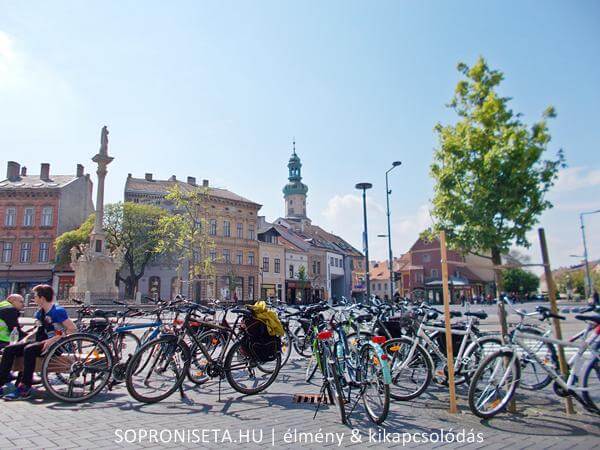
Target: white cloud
{"points": [[575, 178], [344, 217]]}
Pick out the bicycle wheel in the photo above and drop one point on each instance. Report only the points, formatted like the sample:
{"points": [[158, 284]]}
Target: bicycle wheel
{"points": [[494, 384], [355, 341], [245, 374], [533, 376], [477, 352], [334, 388], [125, 345], [591, 383], [410, 366], [165, 363], [213, 343], [311, 368], [375, 391], [286, 347], [303, 342], [76, 368]]}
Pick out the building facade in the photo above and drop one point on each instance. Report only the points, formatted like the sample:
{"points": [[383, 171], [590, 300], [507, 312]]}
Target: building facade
{"points": [[34, 211], [233, 226], [272, 269]]}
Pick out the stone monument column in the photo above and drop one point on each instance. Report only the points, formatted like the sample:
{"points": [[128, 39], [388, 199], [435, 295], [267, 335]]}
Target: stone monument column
{"points": [[96, 268]]}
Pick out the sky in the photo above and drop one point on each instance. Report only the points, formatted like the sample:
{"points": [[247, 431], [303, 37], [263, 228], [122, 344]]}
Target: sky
{"points": [[219, 90]]}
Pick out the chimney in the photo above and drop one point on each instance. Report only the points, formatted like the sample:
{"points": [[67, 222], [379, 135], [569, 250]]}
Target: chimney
{"points": [[173, 178], [79, 170], [45, 172], [128, 175], [12, 170], [23, 171], [192, 181], [148, 177], [204, 183]]}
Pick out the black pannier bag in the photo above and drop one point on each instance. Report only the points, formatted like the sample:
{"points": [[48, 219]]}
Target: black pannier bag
{"points": [[98, 325], [456, 339], [258, 342]]}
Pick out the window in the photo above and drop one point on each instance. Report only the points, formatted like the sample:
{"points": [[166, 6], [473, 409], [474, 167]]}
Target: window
{"points": [[251, 258], [213, 227], [28, 216], [226, 228], [426, 257], [385, 286], [314, 267], [265, 263], [240, 230], [7, 252], [213, 255], [331, 262], [226, 255], [47, 216], [291, 271], [251, 232], [378, 286], [44, 252], [11, 217], [239, 258], [154, 287], [434, 273], [25, 252], [277, 267], [318, 267]]}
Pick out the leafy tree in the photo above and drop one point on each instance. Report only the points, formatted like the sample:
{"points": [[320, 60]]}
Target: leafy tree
{"points": [[133, 227], [302, 280], [186, 234], [519, 280], [74, 238], [491, 178]]}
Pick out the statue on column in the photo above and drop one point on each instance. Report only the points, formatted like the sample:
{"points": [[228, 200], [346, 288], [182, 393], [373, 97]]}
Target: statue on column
{"points": [[104, 140]]}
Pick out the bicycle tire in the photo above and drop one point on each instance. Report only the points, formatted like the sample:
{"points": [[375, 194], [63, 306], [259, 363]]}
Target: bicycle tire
{"points": [[303, 348], [119, 345], [493, 362], [311, 368], [593, 370], [550, 353], [286, 347], [337, 395], [475, 354], [422, 360], [58, 349], [166, 344], [369, 358], [237, 348], [197, 366]]}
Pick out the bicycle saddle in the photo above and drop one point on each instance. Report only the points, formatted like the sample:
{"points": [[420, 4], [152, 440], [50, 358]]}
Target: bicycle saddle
{"points": [[594, 318], [105, 313], [479, 314]]}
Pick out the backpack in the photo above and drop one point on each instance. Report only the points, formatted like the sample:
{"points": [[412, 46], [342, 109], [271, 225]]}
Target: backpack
{"points": [[258, 343]]}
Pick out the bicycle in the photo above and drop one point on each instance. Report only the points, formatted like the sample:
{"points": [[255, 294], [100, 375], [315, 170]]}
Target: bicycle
{"points": [[165, 361], [497, 378]]}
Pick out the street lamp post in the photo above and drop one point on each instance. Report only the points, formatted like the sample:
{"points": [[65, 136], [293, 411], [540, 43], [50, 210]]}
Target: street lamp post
{"points": [[387, 197], [585, 254], [364, 187]]}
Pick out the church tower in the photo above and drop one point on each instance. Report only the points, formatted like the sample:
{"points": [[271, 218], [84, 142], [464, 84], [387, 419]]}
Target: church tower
{"points": [[294, 193]]}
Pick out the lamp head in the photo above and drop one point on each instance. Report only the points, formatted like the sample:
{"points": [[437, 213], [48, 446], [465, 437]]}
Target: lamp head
{"points": [[363, 186], [396, 163]]}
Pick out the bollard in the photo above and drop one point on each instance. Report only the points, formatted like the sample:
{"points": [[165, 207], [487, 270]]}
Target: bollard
{"points": [[87, 299]]}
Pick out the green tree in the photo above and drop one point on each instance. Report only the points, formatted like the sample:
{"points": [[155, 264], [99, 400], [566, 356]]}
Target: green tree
{"points": [[133, 227], [519, 280], [74, 238], [302, 281], [186, 233], [491, 178]]}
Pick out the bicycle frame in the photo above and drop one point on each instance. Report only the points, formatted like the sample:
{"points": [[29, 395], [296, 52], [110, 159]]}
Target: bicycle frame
{"points": [[582, 345]]}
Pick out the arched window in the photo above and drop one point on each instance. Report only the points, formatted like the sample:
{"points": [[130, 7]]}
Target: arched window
{"points": [[174, 287], [154, 287]]}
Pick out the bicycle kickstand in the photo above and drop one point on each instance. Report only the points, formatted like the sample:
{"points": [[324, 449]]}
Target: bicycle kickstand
{"points": [[358, 397]]}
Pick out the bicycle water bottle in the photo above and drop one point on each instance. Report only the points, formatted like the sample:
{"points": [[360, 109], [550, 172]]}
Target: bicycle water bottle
{"points": [[14, 336]]}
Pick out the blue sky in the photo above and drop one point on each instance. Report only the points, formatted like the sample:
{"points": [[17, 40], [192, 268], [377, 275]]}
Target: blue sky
{"points": [[218, 90]]}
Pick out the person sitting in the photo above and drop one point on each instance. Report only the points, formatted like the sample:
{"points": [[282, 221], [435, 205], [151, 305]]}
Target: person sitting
{"points": [[9, 318], [53, 322]]}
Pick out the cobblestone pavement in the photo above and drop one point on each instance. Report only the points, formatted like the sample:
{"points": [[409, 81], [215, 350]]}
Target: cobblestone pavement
{"points": [[42, 423]]}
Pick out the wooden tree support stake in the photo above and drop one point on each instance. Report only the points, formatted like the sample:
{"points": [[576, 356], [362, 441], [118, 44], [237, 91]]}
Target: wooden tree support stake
{"points": [[449, 349], [564, 368]]}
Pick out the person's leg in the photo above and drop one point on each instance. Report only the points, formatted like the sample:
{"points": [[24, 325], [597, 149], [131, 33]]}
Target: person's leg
{"points": [[9, 354], [30, 354]]}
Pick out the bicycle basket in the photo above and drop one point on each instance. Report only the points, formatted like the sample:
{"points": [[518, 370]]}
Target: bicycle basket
{"points": [[258, 343]]}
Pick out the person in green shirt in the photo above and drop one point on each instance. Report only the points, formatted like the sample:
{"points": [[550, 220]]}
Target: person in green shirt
{"points": [[9, 318]]}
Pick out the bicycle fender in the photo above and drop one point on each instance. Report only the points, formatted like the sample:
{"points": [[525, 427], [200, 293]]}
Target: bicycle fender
{"points": [[387, 374]]}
